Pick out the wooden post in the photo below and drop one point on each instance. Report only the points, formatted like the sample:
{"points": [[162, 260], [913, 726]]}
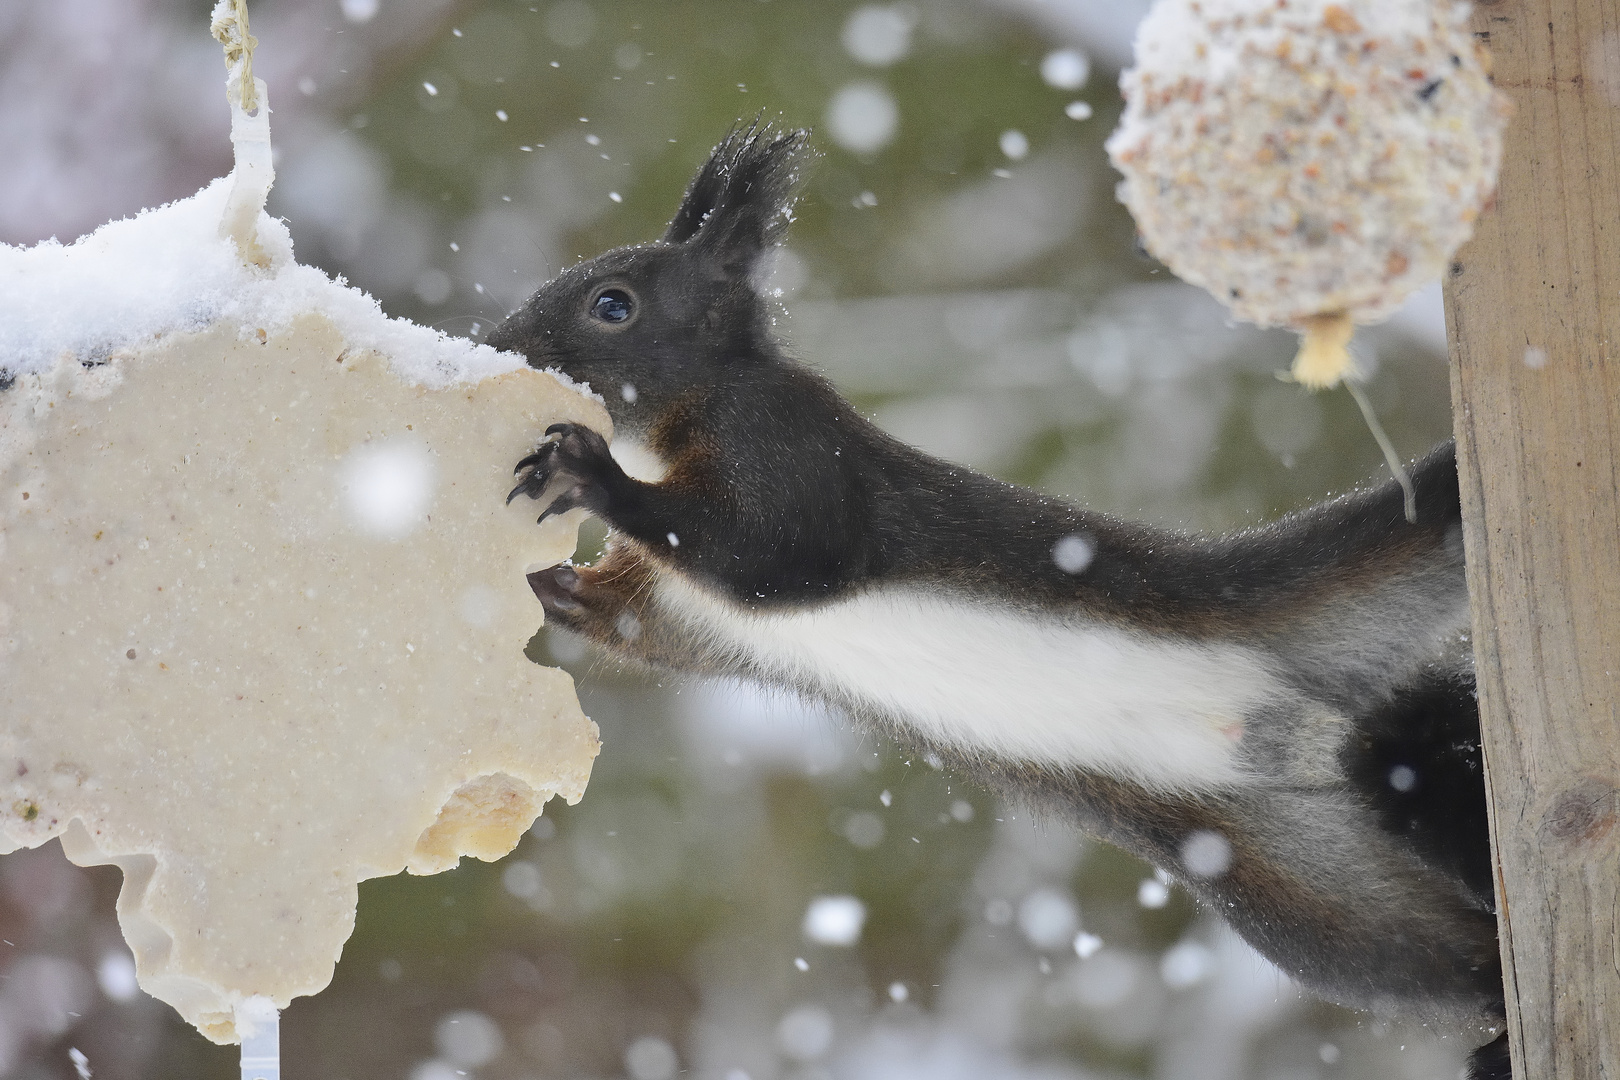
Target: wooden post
{"points": [[1533, 306]]}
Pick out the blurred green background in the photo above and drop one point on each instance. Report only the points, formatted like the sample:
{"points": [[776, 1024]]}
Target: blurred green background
{"points": [[749, 890]]}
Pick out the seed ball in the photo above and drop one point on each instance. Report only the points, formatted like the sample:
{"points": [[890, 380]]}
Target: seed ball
{"points": [[1309, 163]]}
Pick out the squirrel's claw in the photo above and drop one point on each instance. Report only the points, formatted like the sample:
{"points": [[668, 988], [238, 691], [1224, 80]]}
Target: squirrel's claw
{"points": [[535, 458], [527, 486], [541, 465], [577, 453], [585, 495]]}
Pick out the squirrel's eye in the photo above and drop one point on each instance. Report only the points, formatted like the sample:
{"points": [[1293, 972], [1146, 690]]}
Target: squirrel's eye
{"points": [[613, 306]]}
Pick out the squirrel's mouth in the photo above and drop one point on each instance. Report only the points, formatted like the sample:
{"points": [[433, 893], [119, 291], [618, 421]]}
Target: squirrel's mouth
{"points": [[536, 356], [500, 338]]}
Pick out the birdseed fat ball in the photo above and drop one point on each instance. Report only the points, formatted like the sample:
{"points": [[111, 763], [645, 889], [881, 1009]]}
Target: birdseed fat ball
{"points": [[1311, 164]]}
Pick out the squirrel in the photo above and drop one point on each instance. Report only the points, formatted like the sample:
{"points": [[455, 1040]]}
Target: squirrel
{"points": [[1282, 719]]}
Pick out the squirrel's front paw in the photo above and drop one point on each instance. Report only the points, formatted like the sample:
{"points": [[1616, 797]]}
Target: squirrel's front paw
{"points": [[577, 456]]}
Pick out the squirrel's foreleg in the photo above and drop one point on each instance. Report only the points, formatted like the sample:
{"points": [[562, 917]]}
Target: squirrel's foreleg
{"points": [[576, 469]]}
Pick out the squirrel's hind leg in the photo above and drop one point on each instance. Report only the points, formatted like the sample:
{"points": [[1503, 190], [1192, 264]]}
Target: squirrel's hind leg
{"points": [[1491, 1061], [603, 602], [611, 603]]}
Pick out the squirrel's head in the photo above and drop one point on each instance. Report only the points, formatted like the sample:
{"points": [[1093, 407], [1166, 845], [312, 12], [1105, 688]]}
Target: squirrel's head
{"points": [[646, 323]]}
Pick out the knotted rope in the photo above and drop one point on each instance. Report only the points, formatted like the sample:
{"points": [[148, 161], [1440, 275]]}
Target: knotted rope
{"points": [[230, 29]]}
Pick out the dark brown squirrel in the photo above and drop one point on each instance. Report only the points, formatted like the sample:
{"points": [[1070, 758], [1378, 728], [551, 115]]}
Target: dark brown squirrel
{"points": [[1282, 719]]}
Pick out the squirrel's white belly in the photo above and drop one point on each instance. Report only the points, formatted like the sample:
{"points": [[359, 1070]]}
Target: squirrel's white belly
{"points": [[997, 683]]}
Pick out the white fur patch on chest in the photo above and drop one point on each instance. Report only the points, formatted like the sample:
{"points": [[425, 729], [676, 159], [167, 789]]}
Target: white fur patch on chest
{"points": [[998, 683], [638, 460]]}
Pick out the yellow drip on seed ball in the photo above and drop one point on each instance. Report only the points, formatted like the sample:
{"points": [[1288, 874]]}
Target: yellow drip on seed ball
{"points": [[1309, 163]]}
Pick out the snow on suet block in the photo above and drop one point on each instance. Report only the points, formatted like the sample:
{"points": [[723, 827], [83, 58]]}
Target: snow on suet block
{"points": [[262, 603], [1309, 163]]}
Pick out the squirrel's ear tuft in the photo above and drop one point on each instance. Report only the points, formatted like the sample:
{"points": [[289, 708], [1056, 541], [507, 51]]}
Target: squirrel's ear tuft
{"points": [[742, 198]]}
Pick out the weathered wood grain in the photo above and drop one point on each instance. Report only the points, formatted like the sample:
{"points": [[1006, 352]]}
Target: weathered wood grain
{"points": [[1533, 309]]}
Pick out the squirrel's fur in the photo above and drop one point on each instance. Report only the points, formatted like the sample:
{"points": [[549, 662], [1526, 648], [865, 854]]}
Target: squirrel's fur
{"points": [[1303, 690]]}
